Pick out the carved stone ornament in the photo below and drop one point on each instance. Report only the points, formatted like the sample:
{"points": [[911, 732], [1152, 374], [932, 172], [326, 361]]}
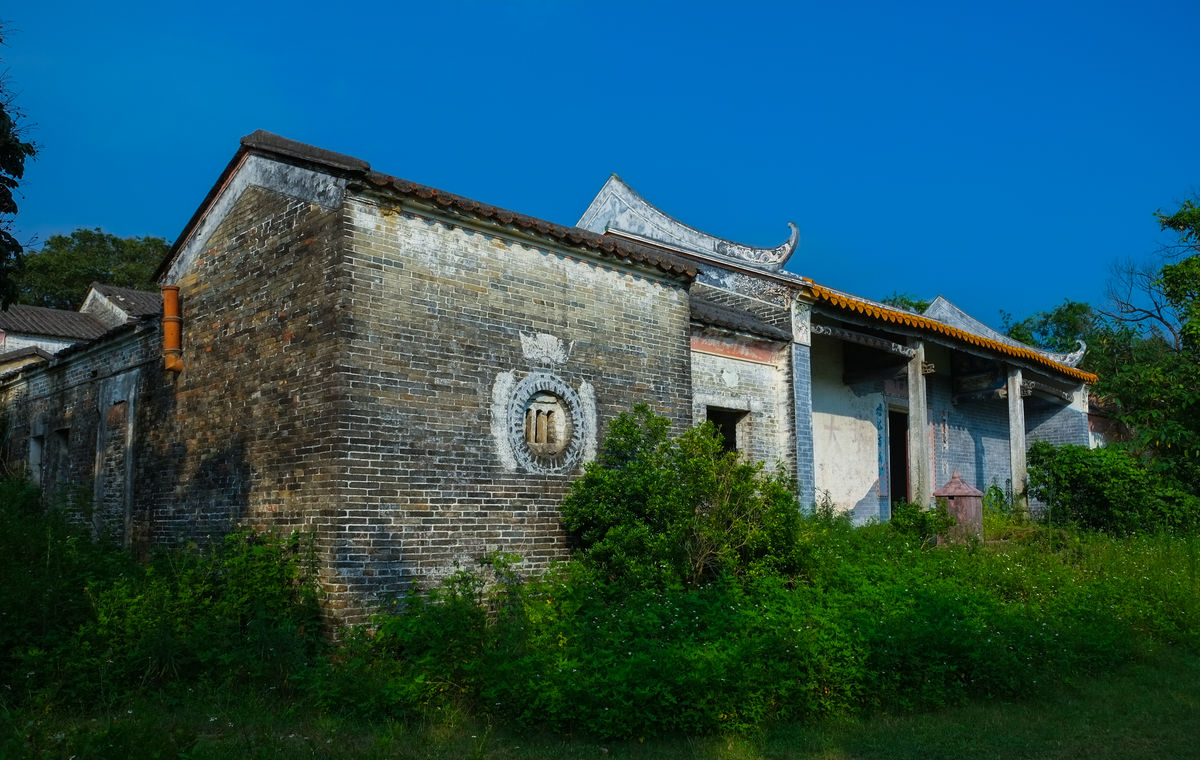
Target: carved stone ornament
{"points": [[802, 323], [543, 349], [559, 446]]}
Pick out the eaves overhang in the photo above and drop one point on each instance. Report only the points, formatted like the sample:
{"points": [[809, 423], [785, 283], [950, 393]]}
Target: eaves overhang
{"points": [[875, 312]]}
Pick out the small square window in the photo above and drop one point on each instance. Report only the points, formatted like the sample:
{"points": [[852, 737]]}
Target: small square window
{"points": [[727, 422]]}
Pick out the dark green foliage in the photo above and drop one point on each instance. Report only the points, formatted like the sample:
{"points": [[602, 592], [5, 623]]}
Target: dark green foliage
{"points": [[59, 275], [1059, 329], [46, 562], [608, 660], [879, 622], [242, 611], [918, 522], [657, 511], [907, 302], [1106, 489], [80, 620], [876, 620], [1181, 286], [1150, 389], [1186, 222], [14, 152]]}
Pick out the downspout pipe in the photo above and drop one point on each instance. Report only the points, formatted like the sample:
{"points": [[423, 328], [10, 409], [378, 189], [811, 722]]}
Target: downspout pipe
{"points": [[172, 329]]}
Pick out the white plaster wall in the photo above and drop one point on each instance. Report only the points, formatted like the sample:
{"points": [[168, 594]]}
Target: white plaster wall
{"points": [[761, 389], [846, 436], [11, 342], [100, 307]]}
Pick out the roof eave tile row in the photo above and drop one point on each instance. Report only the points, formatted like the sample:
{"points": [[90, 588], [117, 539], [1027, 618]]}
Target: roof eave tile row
{"points": [[918, 322]]}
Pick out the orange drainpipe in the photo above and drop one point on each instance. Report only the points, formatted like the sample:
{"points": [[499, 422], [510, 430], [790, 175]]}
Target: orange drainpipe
{"points": [[172, 329]]}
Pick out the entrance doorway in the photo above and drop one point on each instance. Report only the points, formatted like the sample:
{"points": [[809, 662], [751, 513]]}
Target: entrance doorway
{"points": [[898, 456]]}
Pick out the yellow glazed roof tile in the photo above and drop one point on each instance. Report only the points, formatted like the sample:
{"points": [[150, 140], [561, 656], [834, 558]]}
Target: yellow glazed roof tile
{"points": [[894, 316]]}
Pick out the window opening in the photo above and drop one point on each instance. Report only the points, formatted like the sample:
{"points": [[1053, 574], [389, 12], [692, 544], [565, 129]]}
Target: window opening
{"points": [[547, 425], [727, 421], [37, 444]]}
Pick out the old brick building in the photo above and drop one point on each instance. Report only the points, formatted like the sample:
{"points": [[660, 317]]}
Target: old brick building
{"points": [[416, 377]]}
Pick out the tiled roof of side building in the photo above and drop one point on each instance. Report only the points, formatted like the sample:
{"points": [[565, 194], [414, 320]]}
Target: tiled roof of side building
{"points": [[137, 303], [53, 323], [895, 316]]}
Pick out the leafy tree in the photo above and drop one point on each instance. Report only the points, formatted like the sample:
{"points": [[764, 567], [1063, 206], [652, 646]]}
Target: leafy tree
{"points": [[1185, 221], [907, 302], [1059, 329], [1145, 347], [1108, 490], [13, 153], [662, 512], [58, 276], [1181, 285]]}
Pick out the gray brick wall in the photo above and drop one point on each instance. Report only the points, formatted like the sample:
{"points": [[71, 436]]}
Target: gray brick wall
{"points": [[762, 390], [803, 409], [80, 410], [1055, 423], [435, 312], [970, 437]]}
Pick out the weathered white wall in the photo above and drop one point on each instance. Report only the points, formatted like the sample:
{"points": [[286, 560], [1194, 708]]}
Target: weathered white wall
{"points": [[100, 307], [849, 438], [759, 388], [12, 342]]}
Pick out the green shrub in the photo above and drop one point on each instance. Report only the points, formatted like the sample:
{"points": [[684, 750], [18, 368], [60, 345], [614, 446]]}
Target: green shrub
{"points": [[657, 511], [1106, 489], [46, 562], [877, 623], [924, 524], [244, 611]]}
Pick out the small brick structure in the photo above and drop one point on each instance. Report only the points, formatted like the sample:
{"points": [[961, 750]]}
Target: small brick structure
{"points": [[965, 504]]}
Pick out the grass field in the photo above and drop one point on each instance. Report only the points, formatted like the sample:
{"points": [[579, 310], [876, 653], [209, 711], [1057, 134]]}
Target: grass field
{"points": [[1147, 709]]}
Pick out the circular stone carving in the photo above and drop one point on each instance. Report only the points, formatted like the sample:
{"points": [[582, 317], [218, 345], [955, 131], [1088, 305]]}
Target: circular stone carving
{"points": [[545, 424]]}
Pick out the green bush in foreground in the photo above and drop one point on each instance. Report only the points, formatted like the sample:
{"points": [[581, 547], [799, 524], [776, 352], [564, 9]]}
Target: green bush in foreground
{"points": [[858, 619], [46, 563], [242, 611], [656, 511]]}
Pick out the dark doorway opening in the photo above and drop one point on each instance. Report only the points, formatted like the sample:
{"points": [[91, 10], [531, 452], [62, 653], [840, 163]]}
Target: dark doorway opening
{"points": [[898, 455], [727, 421]]}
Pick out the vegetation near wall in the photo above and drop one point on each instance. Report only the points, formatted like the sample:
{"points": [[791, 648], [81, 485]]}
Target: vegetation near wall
{"points": [[1144, 344], [1107, 489], [794, 616]]}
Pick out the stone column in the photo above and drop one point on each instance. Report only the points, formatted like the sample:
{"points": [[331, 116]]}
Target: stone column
{"points": [[919, 467], [1016, 442], [806, 471]]}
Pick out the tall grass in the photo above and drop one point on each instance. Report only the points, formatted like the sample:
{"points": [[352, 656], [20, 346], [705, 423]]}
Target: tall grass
{"points": [[877, 619], [871, 619]]}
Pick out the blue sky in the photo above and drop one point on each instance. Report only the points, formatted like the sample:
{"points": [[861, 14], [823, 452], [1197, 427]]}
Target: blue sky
{"points": [[1002, 155]]}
